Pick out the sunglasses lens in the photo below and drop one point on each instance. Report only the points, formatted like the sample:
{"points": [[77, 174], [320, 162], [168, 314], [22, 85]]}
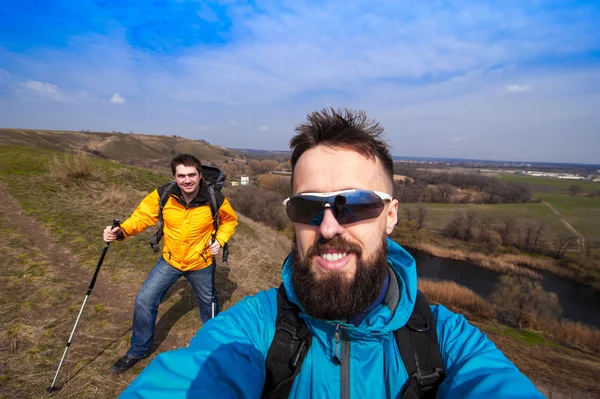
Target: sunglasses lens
{"points": [[358, 206], [305, 211]]}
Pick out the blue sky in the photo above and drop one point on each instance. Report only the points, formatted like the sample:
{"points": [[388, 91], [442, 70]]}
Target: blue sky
{"points": [[510, 80]]}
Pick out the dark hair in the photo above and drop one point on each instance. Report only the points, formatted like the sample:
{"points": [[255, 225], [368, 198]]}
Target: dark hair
{"points": [[345, 128], [186, 160]]}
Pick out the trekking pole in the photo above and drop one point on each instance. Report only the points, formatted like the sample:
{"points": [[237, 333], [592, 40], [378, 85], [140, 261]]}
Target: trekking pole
{"points": [[213, 274], [213, 277], [53, 388]]}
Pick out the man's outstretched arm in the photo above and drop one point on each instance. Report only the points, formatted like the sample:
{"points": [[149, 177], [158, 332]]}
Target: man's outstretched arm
{"points": [[226, 359], [475, 368]]}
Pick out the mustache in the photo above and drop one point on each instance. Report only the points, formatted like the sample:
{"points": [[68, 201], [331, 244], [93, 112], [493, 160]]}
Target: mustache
{"points": [[337, 243]]}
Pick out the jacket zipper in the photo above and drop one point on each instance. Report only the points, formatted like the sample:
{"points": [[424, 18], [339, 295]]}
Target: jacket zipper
{"points": [[345, 369], [343, 360]]}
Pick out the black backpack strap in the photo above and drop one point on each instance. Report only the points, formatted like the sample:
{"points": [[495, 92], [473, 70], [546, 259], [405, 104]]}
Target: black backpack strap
{"points": [[214, 208], [163, 192], [420, 350], [288, 349], [216, 200]]}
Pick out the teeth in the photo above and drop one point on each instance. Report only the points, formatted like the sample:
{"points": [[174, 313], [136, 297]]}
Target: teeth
{"points": [[333, 257]]}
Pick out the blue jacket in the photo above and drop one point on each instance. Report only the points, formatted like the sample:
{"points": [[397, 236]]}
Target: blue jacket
{"points": [[226, 359]]}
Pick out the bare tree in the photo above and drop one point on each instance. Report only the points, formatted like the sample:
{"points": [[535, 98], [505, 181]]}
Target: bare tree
{"points": [[454, 227], [422, 214], [409, 215], [574, 189], [508, 230], [470, 221], [444, 192], [561, 244], [528, 238], [538, 234]]}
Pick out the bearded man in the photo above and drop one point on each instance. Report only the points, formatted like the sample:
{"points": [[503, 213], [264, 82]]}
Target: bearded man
{"points": [[347, 320]]}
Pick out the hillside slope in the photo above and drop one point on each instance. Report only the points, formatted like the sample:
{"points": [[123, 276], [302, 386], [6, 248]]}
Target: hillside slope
{"points": [[133, 149], [50, 240]]}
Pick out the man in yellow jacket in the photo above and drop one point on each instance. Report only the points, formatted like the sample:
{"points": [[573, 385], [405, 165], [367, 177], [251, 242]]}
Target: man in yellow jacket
{"points": [[188, 249]]}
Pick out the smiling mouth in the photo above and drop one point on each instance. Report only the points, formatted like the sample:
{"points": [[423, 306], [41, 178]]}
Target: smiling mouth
{"points": [[332, 261], [333, 257]]}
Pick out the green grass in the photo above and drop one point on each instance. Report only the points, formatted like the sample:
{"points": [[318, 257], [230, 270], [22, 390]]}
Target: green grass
{"points": [[525, 336], [71, 210], [583, 213], [439, 214], [550, 184]]}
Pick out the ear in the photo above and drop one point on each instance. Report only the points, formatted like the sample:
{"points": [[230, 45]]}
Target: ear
{"points": [[392, 217]]}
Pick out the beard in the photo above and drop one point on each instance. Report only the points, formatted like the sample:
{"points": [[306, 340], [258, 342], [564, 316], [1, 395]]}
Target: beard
{"points": [[333, 295]]}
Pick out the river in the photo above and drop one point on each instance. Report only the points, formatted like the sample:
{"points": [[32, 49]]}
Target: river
{"points": [[579, 302]]}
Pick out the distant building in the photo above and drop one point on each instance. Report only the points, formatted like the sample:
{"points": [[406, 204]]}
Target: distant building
{"points": [[245, 180]]}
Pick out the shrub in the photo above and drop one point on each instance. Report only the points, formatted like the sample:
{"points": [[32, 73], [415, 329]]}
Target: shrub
{"points": [[70, 167], [277, 184], [522, 302], [259, 205]]}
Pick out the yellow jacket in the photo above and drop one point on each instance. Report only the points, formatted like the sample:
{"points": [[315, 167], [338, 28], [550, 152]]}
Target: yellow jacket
{"points": [[188, 228]]}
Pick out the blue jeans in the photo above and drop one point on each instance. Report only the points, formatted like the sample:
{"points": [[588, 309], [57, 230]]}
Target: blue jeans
{"points": [[152, 292]]}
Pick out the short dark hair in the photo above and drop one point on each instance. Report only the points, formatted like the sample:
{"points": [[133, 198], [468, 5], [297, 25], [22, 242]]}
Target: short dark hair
{"points": [[186, 160], [349, 129]]}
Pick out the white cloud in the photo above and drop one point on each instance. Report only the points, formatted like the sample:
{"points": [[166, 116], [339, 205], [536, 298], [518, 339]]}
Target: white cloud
{"points": [[207, 14], [117, 99], [5, 77], [517, 88], [41, 90], [467, 70], [262, 128]]}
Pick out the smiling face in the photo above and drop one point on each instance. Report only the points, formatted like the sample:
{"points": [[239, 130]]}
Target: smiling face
{"points": [[339, 269], [188, 180]]}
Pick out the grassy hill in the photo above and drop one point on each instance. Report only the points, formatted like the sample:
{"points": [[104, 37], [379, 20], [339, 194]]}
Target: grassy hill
{"points": [[133, 149], [51, 222], [53, 207]]}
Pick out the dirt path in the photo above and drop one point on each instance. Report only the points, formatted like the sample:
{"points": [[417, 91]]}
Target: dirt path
{"points": [[580, 238], [65, 263]]}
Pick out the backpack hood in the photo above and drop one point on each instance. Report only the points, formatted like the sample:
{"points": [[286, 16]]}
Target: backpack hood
{"points": [[395, 310]]}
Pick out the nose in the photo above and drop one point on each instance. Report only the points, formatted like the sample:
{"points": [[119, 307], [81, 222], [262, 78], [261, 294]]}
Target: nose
{"points": [[330, 227]]}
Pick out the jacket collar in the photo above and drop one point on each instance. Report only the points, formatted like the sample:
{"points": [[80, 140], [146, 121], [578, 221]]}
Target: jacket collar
{"points": [[200, 199]]}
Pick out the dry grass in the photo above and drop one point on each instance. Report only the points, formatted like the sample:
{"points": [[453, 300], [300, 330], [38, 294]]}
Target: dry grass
{"points": [[36, 317], [456, 297], [68, 167], [117, 195], [256, 256], [503, 263], [575, 334]]}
